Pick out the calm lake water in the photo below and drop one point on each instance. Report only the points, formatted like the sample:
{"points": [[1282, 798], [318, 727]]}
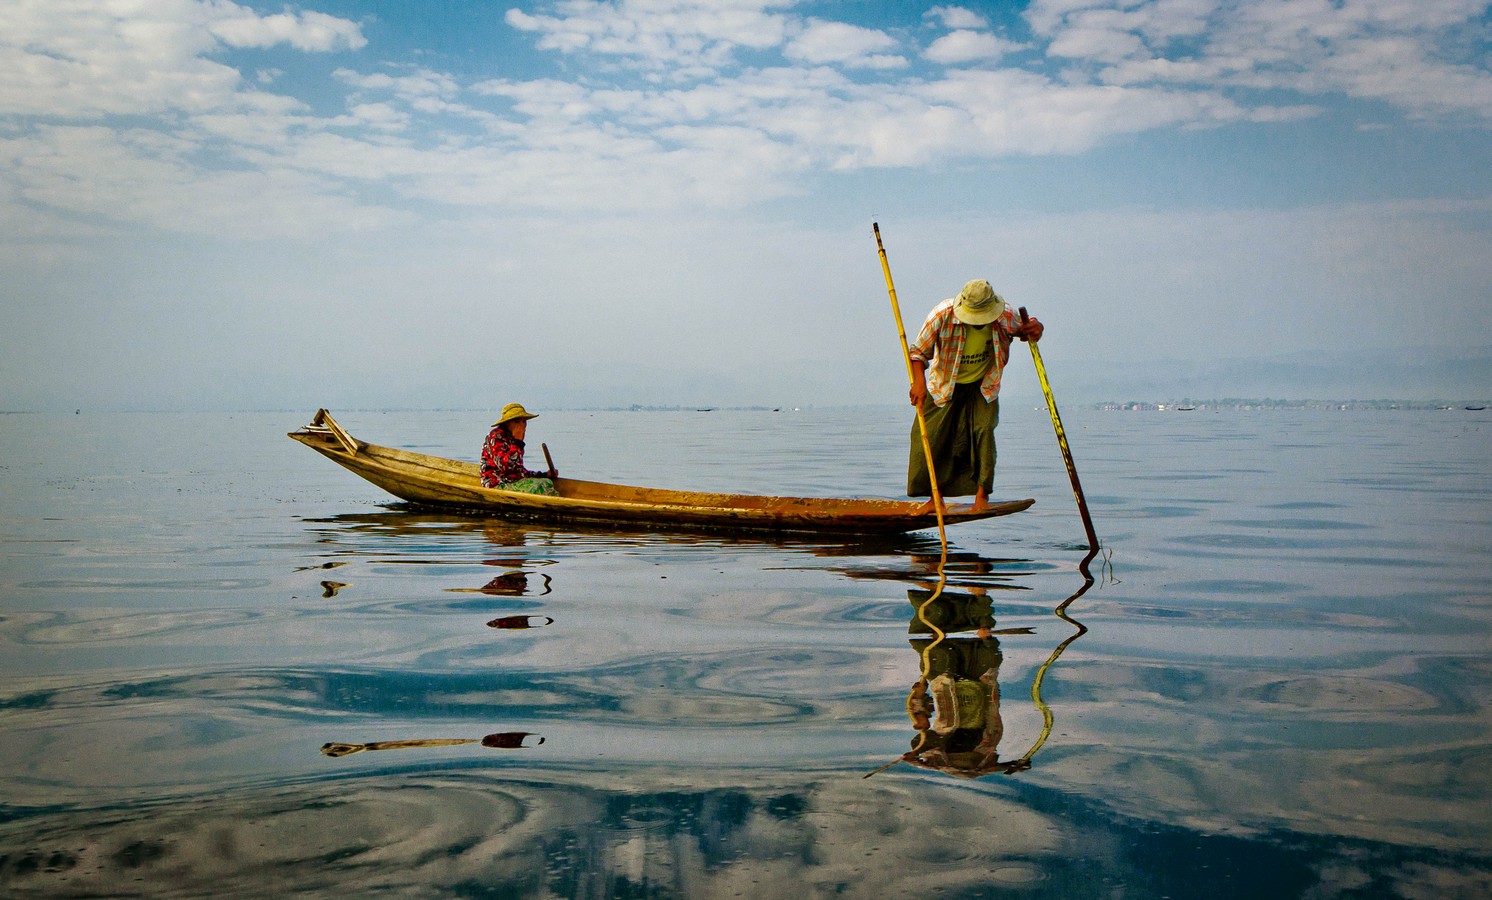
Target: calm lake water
{"points": [[1278, 684]]}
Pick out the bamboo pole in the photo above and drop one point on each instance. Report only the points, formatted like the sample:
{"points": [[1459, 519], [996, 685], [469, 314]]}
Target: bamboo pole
{"points": [[932, 470], [1072, 469], [906, 355]]}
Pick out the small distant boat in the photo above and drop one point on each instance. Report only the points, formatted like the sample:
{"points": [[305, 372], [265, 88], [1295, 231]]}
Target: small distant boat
{"points": [[433, 481], [1186, 408], [1476, 408]]}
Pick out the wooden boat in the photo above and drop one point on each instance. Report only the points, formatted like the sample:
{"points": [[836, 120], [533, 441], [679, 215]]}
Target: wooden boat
{"points": [[433, 481]]}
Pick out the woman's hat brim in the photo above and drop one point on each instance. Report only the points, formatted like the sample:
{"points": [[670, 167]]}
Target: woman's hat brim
{"points": [[515, 415]]}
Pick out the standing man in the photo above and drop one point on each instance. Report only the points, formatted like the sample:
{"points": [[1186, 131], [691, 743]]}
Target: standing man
{"points": [[957, 361]]}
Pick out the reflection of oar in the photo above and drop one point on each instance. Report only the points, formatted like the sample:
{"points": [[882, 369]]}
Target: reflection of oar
{"points": [[1061, 613], [333, 748], [1072, 470], [504, 740], [906, 355]]}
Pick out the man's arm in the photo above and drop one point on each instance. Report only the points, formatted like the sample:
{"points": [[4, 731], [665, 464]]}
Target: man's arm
{"points": [[918, 392], [921, 352]]}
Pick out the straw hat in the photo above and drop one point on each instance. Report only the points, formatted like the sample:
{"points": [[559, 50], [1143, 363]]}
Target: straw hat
{"points": [[978, 304], [514, 411]]}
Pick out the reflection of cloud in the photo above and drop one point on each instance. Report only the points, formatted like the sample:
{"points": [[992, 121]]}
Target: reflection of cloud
{"points": [[687, 833], [1224, 751], [112, 629], [547, 835]]}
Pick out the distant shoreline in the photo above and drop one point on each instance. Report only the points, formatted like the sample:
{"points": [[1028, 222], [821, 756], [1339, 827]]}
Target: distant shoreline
{"points": [[1237, 403], [1229, 403]]}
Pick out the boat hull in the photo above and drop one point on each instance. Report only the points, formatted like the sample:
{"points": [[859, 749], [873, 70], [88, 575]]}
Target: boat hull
{"points": [[448, 484]]}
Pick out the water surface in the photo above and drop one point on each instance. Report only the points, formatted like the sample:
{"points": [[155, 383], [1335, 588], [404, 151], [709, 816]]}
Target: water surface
{"points": [[1277, 684]]}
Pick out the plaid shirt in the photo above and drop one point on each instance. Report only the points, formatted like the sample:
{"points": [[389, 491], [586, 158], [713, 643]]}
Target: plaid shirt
{"points": [[502, 460], [940, 345]]}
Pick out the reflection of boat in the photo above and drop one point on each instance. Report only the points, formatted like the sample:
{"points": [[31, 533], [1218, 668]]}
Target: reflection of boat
{"points": [[455, 484]]}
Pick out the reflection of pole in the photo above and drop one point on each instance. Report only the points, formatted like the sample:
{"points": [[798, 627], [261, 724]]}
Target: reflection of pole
{"points": [[922, 616], [1061, 613]]}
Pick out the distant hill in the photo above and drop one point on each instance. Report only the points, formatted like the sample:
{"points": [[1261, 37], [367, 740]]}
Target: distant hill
{"points": [[1418, 373]]}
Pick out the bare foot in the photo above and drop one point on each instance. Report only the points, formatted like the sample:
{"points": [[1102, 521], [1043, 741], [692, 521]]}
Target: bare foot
{"points": [[981, 501], [926, 508]]}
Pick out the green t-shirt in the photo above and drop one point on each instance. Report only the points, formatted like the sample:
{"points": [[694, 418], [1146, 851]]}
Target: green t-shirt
{"points": [[979, 354]]}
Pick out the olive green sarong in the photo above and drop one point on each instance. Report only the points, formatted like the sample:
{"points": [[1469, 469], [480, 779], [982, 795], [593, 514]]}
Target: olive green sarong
{"points": [[962, 437]]}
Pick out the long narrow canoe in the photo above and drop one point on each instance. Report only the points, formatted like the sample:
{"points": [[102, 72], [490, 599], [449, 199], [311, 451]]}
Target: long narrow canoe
{"points": [[433, 481]]}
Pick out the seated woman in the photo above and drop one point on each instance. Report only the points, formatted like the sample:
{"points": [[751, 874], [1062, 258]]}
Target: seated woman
{"points": [[502, 456]]}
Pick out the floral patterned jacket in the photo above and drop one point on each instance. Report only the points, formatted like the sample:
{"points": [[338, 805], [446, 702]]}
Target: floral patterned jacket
{"points": [[502, 460]]}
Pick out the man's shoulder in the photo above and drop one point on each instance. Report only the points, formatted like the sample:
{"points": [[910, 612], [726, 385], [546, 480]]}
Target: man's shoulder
{"points": [[943, 310]]}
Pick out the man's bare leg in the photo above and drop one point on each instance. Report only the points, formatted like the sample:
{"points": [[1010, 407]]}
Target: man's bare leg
{"points": [[981, 500]]}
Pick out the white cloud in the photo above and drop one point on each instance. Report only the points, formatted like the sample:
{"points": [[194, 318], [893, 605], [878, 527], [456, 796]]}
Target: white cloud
{"points": [[417, 83], [238, 26], [75, 59], [821, 43], [958, 17], [144, 177], [1413, 55], [968, 46], [1104, 36], [657, 33]]}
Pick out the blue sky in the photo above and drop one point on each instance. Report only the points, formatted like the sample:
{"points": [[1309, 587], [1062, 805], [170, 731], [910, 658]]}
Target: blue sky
{"points": [[219, 205]]}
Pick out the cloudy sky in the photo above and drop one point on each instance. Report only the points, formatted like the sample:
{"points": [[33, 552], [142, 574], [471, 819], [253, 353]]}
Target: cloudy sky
{"points": [[216, 205]]}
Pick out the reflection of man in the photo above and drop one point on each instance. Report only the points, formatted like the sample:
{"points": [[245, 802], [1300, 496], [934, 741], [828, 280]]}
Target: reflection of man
{"points": [[955, 706], [950, 612]]}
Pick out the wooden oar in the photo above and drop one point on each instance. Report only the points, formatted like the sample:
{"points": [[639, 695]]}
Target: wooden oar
{"points": [[906, 355], [548, 460], [1072, 470]]}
